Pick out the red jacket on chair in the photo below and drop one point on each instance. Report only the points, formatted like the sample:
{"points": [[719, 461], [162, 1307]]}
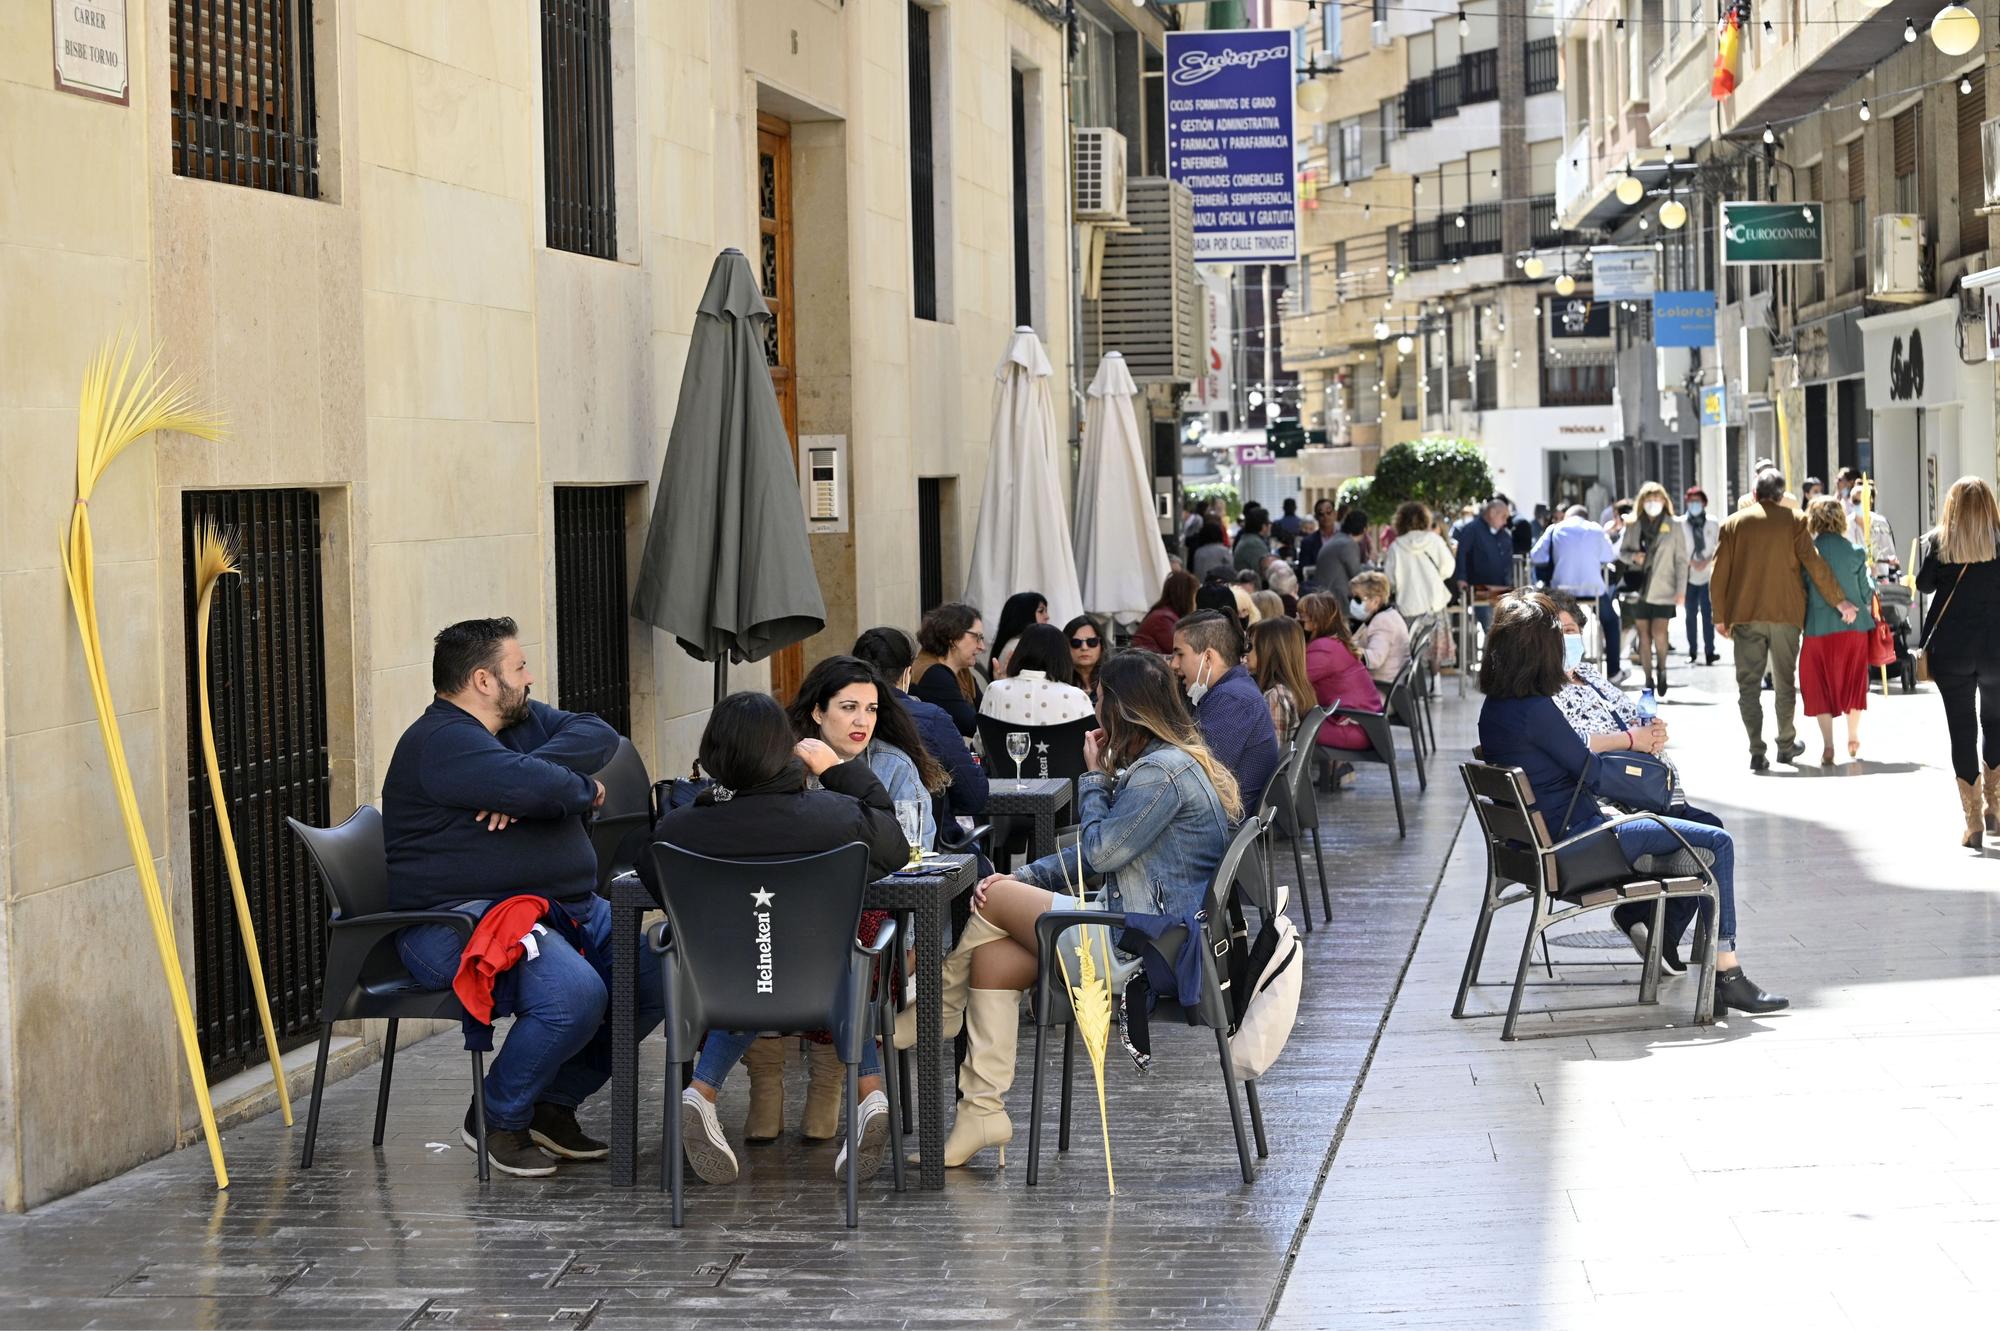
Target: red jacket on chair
{"points": [[498, 942]]}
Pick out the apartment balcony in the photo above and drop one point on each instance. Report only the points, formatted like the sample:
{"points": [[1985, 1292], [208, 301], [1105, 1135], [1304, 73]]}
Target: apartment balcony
{"points": [[1440, 240]]}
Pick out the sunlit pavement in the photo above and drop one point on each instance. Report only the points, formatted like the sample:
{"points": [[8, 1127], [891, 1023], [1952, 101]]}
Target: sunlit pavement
{"points": [[1834, 1165]]}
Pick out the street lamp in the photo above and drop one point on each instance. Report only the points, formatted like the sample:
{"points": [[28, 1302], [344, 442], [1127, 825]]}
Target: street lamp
{"points": [[1405, 344], [1311, 96], [1565, 285], [1534, 267], [1630, 191], [1955, 30], [1673, 214]]}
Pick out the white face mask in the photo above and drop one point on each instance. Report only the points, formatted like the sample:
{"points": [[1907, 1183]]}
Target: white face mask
{"points": [[1654, 509], [1198, 688], [1357, 609]]}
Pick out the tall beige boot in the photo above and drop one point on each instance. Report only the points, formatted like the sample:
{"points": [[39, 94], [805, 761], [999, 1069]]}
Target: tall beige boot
{"points": [[1990, 782], [993, 1027], [957, 974], [766, 1060], [1970, 799], [826, 1088]]}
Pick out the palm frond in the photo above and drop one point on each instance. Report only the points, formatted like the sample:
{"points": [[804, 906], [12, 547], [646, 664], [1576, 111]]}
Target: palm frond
{"points": [[214, 555], [120, 407]]}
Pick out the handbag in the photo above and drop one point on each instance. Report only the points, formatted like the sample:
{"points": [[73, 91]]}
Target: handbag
{"points": [[1630, 779], [1881, 639]]}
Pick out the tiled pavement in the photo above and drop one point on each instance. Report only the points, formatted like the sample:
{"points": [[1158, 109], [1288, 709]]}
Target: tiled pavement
{"points": [[1837, 1165], [404, 1236]]}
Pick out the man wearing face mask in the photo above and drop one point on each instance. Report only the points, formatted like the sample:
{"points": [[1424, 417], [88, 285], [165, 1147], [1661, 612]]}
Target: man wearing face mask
{"points": [[1698, 534], [1229, 708]]}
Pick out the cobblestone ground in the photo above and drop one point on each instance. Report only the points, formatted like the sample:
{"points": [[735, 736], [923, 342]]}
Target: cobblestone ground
{"points": [[1836, 1165], [404, 1236]]}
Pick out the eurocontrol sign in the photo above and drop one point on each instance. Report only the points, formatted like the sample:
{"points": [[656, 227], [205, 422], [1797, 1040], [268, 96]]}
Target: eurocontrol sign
{"points": [[1773, 233]]}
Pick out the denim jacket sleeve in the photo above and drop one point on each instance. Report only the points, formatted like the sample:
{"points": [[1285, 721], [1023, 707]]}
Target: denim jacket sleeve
{"points": [[1117, 826]]}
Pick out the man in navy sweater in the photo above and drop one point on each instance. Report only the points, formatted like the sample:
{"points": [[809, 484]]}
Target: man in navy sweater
{"points": [[485, 799], [1229, 709]]}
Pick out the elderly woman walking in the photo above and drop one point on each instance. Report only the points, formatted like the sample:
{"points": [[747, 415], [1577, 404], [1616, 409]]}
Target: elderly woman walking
{"points": [[1833, 662]]}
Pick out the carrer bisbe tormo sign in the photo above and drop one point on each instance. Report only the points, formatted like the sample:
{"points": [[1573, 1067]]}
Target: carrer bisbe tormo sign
{"points": [[90, 50]]}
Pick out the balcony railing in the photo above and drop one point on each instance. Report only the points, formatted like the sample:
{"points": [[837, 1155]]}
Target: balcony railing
{"points": [[1542, 227], [1541, 65], [1579, 379], [1447, 89], [1479, 77], [1417, 103], [1440, 239]]}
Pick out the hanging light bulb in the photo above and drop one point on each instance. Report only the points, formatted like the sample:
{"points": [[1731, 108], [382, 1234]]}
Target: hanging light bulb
{"points": [[1659, 247], [1565, 285], [1464, 23], [1643, 224], [1864, 108], [1459, 221], [1768, 29], [1381, 331], [1769, 137], [1311, 97], [1955, 30], [1964, 84], [1808, 213], [1347, 191], [1909, 30], [1630, 190], [1405, 344], [1534, 267], [1673, 214]]}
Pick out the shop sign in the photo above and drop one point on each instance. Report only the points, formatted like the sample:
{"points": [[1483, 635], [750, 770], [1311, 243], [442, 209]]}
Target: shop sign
{"points": [[91, 49], [1684, 319], [1627, 273], [1910, 358], [1229, 140], [1772, 233], [1713, 399]]}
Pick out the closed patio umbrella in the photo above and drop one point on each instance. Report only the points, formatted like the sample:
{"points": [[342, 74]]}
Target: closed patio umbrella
{"points": [[726, 569], [1022, 543], [1118, 549]]}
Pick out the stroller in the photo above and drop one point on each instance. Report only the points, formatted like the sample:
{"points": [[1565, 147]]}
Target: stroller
{"points": [[1895, 599]]}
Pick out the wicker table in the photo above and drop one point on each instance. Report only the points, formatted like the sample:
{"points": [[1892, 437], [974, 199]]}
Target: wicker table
{"points": [[1037, 800], [923, 901]]}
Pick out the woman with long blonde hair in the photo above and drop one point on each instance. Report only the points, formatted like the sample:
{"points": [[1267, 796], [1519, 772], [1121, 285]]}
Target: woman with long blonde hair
{"points": [[1277, 661], [1956, 567], [1156, 809], [1653, 544]]}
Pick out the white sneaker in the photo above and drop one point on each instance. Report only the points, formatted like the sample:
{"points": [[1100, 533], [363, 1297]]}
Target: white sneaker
{"points": [[874, 1139], [702, 1140]]}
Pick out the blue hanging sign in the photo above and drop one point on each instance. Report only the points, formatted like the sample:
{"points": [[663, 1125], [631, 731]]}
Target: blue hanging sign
{"points": [[1229, 140], [1684, 319]]}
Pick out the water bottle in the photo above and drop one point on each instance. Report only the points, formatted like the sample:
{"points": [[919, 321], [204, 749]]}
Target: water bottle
{"points": [[1647, 705]]}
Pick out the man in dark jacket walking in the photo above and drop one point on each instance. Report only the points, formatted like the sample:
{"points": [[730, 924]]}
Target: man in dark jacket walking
{"points": [[486, 799], [1485, 554]]}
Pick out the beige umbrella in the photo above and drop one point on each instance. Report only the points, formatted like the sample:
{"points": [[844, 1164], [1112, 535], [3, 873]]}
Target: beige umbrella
{"points": [[1118, 549], [1023, 535]]}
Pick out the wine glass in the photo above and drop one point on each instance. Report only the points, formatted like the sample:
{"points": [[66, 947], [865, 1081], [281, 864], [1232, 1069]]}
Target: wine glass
{"points": [[910, 816], [1018, 742]]}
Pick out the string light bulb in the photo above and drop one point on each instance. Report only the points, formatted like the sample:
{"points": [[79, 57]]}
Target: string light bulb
{"points": [[1955, 31], [1964, 85], [1769, 136], [1459, 221], [1864, 109], [1909, 30], [1464, 23], [1381, 331], [1405, 344]]}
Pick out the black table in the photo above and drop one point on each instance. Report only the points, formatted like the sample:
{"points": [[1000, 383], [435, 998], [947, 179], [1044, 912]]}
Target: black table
{"points": [[1037, 800], [922, 901]]}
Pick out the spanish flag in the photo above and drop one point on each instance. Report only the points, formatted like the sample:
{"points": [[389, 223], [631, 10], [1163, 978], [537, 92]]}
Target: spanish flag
{"points": [[1728, 54]]}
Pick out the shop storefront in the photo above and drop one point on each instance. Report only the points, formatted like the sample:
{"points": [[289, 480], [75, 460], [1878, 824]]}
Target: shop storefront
{"points": [[1546, 455], [1933, 410]]}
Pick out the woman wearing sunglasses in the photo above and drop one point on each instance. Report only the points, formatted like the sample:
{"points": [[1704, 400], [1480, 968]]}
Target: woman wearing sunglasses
{"points": [[1087, 650]]}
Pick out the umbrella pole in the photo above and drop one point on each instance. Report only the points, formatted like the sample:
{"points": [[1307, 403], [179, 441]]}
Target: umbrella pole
{"points": [[721, 677]]}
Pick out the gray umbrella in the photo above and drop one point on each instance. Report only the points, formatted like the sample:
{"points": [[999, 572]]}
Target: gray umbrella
{"points": [[726, 568]]}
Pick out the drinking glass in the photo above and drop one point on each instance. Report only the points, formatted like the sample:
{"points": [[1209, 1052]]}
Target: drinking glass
{"points": [[1017, 749], [910, 815]]}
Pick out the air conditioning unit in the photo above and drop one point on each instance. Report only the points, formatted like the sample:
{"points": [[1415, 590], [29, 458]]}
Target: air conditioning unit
{"points": [[1150, 302], [1378, 31], [1896, 259], [1100, 175]]}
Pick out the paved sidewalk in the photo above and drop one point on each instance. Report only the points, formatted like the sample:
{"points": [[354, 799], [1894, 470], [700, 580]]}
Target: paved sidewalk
{"points": [[1837, 1165]]}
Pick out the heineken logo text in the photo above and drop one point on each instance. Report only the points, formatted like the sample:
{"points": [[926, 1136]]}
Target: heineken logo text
{"points": [[760, 903]]}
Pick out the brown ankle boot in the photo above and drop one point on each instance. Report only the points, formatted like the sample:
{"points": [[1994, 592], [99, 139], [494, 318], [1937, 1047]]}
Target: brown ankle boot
{"points": [[766, 1060], [826, 1087], [1971, 798], [1990, 784]]}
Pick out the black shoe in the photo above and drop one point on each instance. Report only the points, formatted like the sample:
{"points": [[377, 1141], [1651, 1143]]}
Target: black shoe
{"points": [[1713, 658], [510, 1150], [555, 1130], [1787, 752], [1661, 691], [1734, 989], [1635, 922], [1759, 763]]}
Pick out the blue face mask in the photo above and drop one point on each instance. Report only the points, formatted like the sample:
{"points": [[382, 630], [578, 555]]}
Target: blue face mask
{"points": [[1572, 651], [1695, 507]]}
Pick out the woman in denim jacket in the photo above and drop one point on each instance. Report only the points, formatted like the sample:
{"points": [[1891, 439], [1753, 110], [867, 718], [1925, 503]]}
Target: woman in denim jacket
{"points": [[1156, 812]]}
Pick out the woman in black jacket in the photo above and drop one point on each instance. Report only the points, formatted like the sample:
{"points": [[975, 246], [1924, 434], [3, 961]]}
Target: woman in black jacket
{"points": [[1956, 566], [762, 799]]}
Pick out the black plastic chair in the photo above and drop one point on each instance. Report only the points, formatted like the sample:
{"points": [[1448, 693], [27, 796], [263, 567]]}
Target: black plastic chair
{"points": [[1295, 811], [1062, 758], [365, 978], [1399, 704], [619, 828], [1239, 876], [769, 946], [1381, 749]]}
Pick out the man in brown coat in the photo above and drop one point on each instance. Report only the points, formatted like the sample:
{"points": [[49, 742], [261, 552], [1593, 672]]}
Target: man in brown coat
{"points": [[1760, 605]]}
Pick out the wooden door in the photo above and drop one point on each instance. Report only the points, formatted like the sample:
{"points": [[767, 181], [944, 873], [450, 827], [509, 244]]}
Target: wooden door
{"points": [[774, 275]]}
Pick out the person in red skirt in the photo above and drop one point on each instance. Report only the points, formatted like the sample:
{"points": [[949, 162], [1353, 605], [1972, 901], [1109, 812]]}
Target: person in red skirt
{"points": [[1833, 662]]}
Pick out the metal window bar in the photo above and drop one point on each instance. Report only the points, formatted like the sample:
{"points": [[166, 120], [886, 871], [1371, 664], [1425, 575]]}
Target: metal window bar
{"points": [[1417, 103], [1542, 65], [578, 170], [1445, 86], [923, 201], [1024, 287], [240, 93], [593, 642], [1542, 226], [1479, 77], [930, 542], [267, 696]]}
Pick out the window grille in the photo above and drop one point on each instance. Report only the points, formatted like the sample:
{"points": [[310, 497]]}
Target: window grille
{"points": [[578, 166], [267, 697], [923, 197], [240, 93], [593, 640]]}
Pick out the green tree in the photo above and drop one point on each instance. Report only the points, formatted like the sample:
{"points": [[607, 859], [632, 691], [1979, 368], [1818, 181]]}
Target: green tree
{"points": [[1357, 490], [1441, 473]]}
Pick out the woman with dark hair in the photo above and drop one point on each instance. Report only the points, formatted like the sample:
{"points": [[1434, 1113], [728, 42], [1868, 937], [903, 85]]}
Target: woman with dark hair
{"points": [[951, 638], [1208, 552], [1038, 691], [1088, 646], [1338, 675], [1156, 630], [1521, 726], [843, 703], [787, 797], [1021, 609], [1277, 661], [893, 655], [1156, 808]]}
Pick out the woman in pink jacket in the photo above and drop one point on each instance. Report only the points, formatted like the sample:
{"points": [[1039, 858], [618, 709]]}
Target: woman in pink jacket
{"points": [[1336, 670]]}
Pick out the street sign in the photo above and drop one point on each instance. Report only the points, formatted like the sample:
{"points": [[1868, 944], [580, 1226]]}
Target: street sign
{"points": [[1624, 273], [1684, 319], [1772, 233], [1229, 140]]}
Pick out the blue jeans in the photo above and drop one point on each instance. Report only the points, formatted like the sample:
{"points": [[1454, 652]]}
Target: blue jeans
{"points": [[1607, 617], [1698, 603], [1649, 838], [559, 1049], [722, 1050]]}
